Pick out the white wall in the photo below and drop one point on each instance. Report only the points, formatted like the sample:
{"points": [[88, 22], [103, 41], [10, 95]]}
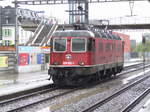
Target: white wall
{"points": [[12, 36], [23, 34]]}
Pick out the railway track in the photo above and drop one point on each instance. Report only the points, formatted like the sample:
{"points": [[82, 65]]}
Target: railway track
{"points": [[136, 101], [121, 91], [133, 66], [19, 108], [44, 90], [22, 94], [88, 103]]}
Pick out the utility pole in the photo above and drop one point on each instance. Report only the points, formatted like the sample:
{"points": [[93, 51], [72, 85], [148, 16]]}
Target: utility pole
{"points": [[1, 25], [78, 12], [16, 36], [143, 43], [131, 4]]}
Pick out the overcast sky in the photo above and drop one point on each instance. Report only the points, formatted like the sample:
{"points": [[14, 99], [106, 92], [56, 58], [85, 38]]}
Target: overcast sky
{"points": [[96, 11]]}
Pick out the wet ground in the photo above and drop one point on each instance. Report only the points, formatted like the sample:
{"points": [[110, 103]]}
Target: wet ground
{"points": [[6, 79], [11, 83]]}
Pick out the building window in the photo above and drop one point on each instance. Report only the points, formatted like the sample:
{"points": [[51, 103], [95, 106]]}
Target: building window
{"points": [[6, 42], [7, 20], [7, 32]]}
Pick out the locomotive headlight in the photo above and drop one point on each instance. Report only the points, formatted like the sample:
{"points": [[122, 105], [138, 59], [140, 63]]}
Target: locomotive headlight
{"points": [[68, 56], [81, 63], [55, 63]]}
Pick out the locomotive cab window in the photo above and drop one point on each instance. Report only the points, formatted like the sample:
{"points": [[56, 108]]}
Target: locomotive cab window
{"points": [[78, 45], [59, 45]]}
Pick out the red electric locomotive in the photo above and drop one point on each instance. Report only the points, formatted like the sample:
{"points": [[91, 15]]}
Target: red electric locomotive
{"points": [[80, 56]]}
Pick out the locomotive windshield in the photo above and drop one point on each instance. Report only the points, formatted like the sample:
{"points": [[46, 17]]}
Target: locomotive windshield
{"points": [[78, 45], [59, 44]]}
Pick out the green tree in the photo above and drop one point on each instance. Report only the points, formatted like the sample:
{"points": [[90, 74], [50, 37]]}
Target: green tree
{"points": [[142, 48]]}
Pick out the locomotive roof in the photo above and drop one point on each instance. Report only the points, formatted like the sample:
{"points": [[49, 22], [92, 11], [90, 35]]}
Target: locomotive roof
{"points": [[73, 33], [85, 33]]}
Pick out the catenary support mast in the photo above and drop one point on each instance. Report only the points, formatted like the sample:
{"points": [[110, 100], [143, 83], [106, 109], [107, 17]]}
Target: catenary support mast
{"points": [[78, 11]]}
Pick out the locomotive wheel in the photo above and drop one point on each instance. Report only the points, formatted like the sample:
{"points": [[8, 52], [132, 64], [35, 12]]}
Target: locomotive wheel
{"points": [[114, 72], [98, 76], [110, 73], [58, 81], [81, 81], [55, 80], [102, 76], [107, 73]]}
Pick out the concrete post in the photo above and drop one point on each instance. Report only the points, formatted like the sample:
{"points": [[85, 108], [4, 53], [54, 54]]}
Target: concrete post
{"points": [[16, 36]]}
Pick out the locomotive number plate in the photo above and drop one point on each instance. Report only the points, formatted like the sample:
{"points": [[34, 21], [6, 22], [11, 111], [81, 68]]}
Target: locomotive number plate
{"points": [[68, 63]]}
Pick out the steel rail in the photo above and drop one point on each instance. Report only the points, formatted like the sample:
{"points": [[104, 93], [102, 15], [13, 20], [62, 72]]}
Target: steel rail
{"points": [[109, 98], [132, 70], [136, 101], [42, 100], [131, 66], [28, 95]]}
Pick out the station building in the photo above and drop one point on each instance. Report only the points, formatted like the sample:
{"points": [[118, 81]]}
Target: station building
{"points": [[31, 58], [7, 21]]}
